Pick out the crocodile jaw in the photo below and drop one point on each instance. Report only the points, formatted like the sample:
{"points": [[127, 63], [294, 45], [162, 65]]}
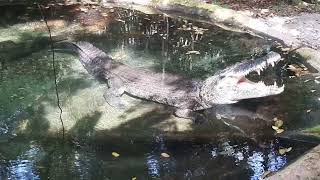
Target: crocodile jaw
{"points": [[231, 85], [246, 89]]}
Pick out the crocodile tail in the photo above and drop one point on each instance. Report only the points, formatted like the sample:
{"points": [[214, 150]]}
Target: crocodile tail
{"points": [[92, 58], [88, 53]]}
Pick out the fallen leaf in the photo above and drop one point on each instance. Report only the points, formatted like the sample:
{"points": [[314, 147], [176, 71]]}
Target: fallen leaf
{"points": [[285, 49], [193, 52], [265, 174], [297, 70], [104, 14], [279, 131], [278, 123], [288, 149], [83, 9], [165, 155], [282, 151], [115, 154]]}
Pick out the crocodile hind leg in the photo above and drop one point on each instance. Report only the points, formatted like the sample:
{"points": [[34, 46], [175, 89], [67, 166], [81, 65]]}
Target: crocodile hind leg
{"points": [[189, 114], [114, 92]]}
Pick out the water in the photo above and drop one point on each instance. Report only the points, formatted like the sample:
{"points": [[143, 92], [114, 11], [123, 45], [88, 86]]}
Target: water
{"points": [[30, 148], [141, 158]]}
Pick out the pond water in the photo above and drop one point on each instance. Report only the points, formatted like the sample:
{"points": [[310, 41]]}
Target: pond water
{"points": [[28, 150]]}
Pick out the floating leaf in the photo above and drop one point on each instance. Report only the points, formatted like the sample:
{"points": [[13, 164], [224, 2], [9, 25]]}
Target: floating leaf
{"points": [[278, 123], [193, 52], [165, 155], [282, 151], [279, 131], [115, 154], [134, 178], [275, 127], [288, 149]]}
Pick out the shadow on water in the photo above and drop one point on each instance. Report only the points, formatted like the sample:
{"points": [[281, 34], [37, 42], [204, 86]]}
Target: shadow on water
{"points": [[165, 45]]}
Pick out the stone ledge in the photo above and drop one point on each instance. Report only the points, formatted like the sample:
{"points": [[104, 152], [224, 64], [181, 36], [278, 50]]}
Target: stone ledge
{"points": [[305, 167]]}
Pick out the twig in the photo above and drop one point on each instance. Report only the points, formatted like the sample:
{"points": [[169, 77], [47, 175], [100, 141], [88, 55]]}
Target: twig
{"points": [[54, 69]]}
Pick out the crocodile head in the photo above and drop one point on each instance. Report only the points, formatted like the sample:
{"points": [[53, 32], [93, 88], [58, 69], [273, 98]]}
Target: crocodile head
{"points": [[231, 85]]}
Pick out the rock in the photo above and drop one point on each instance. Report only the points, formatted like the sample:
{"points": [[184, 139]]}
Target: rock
{"points": [[306, 167]]}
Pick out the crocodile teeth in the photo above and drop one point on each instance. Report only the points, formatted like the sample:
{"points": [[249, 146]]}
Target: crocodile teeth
{"points": [[261, 68], [258, 71], [272, 63]]}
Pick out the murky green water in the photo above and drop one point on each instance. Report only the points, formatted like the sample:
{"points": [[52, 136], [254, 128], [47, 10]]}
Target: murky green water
{"points": [[29, 149]]}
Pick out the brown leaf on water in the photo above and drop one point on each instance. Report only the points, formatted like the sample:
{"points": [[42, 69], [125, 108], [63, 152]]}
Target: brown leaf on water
{"points": [[165, 155], [288, 149], [279, 131], [282, 151], [193, 52], [298, 70], [115, 154]]}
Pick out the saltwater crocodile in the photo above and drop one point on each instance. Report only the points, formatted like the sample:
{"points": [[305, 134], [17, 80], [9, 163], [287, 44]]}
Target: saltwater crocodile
{"points": [[224, 87]]}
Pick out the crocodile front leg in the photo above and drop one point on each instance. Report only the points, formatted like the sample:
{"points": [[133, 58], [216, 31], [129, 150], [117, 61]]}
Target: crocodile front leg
{"points": [[189, 114], [115, 91]]}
